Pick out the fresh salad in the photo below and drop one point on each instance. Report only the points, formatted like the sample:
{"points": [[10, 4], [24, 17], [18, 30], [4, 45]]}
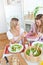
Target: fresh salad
{"points": [[39, 45], [15, 48], [34, 51]]}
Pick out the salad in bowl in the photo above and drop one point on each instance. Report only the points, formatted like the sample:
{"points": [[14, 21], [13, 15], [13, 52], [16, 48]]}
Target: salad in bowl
{"points": [[33, 54], [14, 48], [38, 44]]}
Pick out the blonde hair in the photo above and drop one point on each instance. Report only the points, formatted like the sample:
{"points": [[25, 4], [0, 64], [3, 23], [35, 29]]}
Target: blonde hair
{"points": [[14, 22]]}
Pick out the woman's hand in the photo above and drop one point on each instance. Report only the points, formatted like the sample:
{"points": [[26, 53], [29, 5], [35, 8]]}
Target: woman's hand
{"points": [[19, 38], [12, 41], [24, 34]]}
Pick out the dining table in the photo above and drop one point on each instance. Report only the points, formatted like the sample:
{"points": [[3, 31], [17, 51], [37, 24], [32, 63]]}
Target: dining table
{"points": [[7, 53]]}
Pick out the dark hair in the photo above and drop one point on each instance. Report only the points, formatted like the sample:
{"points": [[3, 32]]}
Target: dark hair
{"points": [[38, 16], [16, 19]]}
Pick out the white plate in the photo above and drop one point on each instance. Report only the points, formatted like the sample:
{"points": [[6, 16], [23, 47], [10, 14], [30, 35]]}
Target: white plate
{"points": [[37, 42], [17, 50]]}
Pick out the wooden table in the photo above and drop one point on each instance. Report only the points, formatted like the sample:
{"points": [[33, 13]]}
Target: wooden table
{"points": [[21, 59], [1, 53]]}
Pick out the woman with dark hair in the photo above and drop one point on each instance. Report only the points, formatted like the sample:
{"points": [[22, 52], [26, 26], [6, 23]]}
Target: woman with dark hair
{"points": [[38, 25]]}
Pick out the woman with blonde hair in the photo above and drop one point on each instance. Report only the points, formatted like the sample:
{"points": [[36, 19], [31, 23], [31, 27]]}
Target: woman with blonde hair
{"points": [[15, 34]]}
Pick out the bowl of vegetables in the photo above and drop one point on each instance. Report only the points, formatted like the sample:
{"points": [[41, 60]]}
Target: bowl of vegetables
{"points": [[38, 44], [33, 54], [15, 48]]}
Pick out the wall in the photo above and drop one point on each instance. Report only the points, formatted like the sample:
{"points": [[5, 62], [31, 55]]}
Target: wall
{"points": [[13, 10], [7, 12], [29, 5], [3, 26]]}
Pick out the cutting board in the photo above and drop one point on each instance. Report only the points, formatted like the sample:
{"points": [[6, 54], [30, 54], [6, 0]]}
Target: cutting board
{"points": [[21, 59]]}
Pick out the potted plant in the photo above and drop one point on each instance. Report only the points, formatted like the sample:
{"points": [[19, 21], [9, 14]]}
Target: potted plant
{"points": [[36, 10]]}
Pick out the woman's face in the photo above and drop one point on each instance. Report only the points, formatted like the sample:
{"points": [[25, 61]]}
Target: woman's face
{"points": [[18, 26], [38, 22], [42, 18]]}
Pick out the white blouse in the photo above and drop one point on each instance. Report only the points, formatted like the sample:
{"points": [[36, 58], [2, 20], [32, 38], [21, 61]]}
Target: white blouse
{"points": [[10, 35]]}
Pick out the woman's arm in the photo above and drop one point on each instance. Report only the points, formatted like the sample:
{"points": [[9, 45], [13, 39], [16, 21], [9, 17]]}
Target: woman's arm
{"points": [[21, 37]]}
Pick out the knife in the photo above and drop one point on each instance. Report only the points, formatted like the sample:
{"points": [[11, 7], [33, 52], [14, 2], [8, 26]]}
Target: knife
{"points": [[7, 62]]}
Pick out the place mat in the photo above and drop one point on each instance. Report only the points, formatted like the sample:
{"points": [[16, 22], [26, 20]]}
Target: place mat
{"points": [[6, 50], [21, 59]]}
